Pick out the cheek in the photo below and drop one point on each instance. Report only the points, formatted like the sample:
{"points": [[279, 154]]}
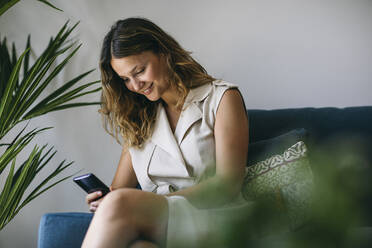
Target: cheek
{"points": [[129, 87], [149, 75]]}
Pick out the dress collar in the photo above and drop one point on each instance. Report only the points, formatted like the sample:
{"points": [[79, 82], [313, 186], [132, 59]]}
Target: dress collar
{"points": [[198, 94], [163, 135], [191, 112]]}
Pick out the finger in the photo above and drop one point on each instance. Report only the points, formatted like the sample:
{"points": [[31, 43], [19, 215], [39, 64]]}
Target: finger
{"points": [[94, 204], [92, 196], [92, 209]]}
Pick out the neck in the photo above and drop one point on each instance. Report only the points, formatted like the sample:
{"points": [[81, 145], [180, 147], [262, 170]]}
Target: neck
{"points": [[170, 101], [171, 98]]}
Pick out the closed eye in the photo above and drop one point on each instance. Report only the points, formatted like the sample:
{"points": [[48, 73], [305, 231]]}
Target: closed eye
{"points": [[125, 80], [141, 71]]}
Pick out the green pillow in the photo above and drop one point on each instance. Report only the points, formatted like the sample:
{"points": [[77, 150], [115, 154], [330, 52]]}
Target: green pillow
{"points": [[285, 180]]}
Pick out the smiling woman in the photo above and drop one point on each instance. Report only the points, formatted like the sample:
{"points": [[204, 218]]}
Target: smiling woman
{"points": [[132, 45], [185, 141]]}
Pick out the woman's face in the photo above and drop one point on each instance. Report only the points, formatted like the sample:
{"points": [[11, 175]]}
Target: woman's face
{"points": [[144, 74]]}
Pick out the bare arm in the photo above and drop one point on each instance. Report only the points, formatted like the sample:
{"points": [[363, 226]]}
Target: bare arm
{"points": [[125, 177], [231, 139]]}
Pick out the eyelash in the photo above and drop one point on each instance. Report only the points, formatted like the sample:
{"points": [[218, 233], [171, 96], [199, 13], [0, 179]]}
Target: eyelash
{"points": [[140, 71], [137, 73]]}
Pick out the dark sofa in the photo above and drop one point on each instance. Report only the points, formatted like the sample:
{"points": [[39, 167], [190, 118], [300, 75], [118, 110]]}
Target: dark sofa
{"points": [[336, 133]]}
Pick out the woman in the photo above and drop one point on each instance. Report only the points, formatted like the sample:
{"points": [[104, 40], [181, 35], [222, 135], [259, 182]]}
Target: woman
{"points": [[185, 140]]}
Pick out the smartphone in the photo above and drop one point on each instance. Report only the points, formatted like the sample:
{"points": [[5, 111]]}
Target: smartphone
{"points": [[90, 183]]}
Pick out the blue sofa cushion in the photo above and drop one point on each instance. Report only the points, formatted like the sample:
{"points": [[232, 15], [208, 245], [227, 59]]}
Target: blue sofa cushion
{"points": [[54, 228]]}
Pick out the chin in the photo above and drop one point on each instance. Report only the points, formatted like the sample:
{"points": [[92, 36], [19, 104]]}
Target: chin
{"points": [[153, 98]]}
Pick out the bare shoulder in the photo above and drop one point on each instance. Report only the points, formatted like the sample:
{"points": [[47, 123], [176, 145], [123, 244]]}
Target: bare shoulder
{"points": [[231, 126], [231, 104]]}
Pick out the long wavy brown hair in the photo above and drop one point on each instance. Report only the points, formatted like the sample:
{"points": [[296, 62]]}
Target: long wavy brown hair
{"points": [[128, 114]]}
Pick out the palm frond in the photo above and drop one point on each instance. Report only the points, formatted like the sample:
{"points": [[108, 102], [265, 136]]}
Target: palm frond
{"points": [[17, 146], [19, 181], [27, 57], [7, 187], [49, 4], [8, 93], [20, 101], [7, 4]]}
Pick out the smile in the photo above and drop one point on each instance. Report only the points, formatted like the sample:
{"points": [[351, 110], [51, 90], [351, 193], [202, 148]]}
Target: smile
{"points": [[148, 90]]}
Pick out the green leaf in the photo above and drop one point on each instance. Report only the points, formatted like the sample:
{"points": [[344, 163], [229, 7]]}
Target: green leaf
{"points": [[5, 192], [20, 101], [20, 98], [12, 151], [30, 198], [5, 6], [33, 166], [51, 76], [72, 105], [41, 166], [14, 54], [27, 57], [17, 191], [18, 135], [47, 3], [52, 175], [11, 84], [53, 45], [24, 98], [53, 106], [59, 91], [32, 85]]}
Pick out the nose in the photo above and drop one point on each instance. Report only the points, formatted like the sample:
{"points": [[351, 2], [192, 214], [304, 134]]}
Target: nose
{"points": [[137, 84]]}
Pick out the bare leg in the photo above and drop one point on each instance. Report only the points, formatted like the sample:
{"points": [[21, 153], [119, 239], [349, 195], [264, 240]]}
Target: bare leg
{"points": [[126, 215]]}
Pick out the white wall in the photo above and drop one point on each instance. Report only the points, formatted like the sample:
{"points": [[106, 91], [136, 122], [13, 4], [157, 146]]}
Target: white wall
{"points": [[282, 54]]}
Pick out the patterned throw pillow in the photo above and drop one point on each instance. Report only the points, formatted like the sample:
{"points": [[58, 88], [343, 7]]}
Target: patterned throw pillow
{"points": [[262, 149], [284, 179]]}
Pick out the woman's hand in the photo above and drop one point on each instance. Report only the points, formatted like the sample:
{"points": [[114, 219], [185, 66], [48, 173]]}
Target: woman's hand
{"points": [[93, 200]]}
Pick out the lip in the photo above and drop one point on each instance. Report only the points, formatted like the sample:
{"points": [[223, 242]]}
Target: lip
{"points": [[148, 90]]}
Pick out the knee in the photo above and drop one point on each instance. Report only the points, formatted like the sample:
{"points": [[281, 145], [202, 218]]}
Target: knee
{"points": [[117, 204]]}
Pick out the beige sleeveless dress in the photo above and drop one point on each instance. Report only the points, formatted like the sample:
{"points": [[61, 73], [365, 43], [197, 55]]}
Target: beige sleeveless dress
{"points": [[169, 162]]}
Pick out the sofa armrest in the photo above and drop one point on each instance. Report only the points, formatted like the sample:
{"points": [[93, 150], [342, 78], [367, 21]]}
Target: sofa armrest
{"points": [[63, 229]]}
